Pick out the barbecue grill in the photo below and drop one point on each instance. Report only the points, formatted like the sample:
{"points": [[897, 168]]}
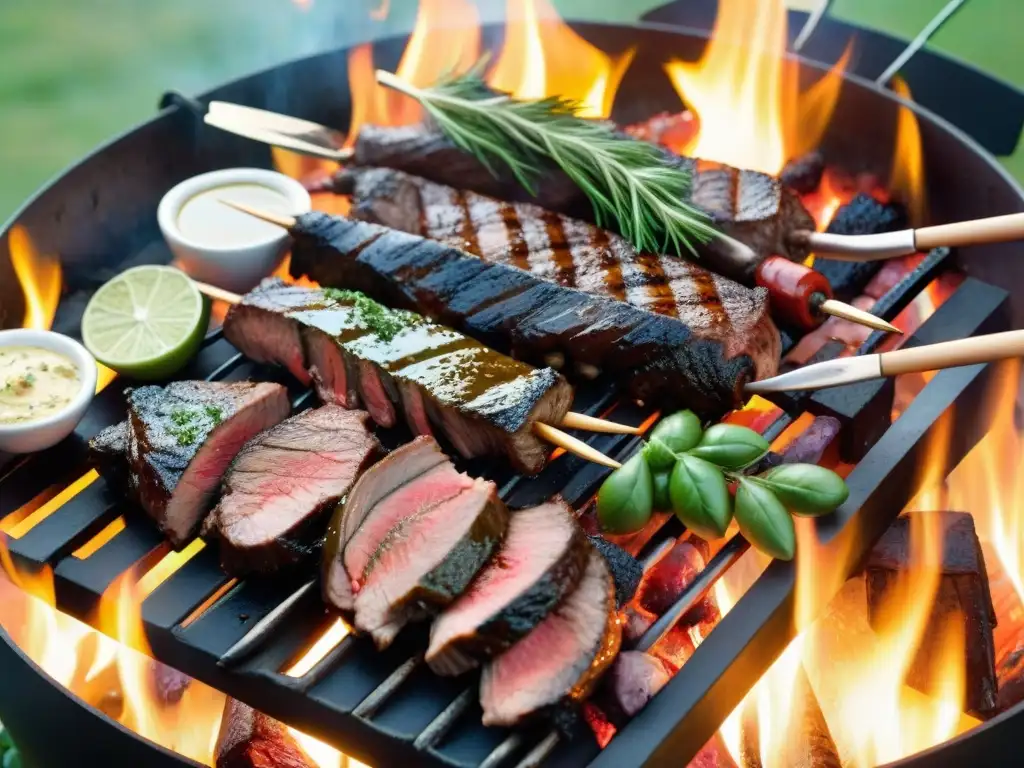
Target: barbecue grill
{"points": [[385, 707]]}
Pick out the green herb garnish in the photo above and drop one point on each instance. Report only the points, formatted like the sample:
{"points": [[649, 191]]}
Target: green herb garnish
{"points": [[191, 423], [627, 181], [384, 322], [216, 414]]}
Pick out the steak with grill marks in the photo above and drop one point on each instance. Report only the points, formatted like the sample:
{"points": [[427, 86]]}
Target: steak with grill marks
{"points": [[750, 206], [654, 358], [484, 402], [277, 489], [574, 254], [539, 563], [181, 438], [562, 659]]}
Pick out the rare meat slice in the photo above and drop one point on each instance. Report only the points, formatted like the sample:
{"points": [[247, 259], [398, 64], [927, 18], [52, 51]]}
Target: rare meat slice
{"points": [[250, 739], [283, 481], [181, 439], [430, 555], [574, 254], [540, 562], [562, 659]]}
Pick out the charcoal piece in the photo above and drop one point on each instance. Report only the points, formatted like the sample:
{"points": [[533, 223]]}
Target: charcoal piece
{"points": [[168, 683], [636, 621], [670, 577], [803, 174], [963, 595], [626, 569], [1010, 673], [714, 754], [250, 739], [634, 679], [863, 215]]}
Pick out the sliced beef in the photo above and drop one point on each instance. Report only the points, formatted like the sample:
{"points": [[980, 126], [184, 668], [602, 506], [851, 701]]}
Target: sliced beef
{"points": [[562, 659], [439, 379], [250, 739], [108, 452], [654, 357], [181, 439], [574, 254], [626, 569], [539, 563], [427, 560], [281, 484]]}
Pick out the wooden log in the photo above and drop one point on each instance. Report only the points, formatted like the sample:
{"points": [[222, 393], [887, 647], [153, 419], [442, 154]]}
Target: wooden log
{"points": [[962, 595], [714, 754], [1009, 632], [250, 739]]}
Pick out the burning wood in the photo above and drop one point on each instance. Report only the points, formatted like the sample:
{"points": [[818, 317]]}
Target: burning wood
{"points": [[962, 596], [250, 739], [1009, 633]]}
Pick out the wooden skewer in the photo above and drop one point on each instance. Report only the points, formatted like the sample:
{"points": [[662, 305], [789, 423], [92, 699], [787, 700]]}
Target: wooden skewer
{"points": [[995, 229], [555, 436], [951, 354], [849, 312]]}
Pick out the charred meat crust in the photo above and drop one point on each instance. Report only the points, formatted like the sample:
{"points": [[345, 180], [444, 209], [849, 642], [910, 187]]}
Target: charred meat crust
{"points": [[657, 359], [574, 254]]}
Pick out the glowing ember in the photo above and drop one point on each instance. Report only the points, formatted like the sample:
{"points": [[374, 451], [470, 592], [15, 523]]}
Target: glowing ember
{"points": [[333, 635]]}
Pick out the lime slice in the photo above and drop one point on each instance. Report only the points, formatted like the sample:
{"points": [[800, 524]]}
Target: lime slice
{"points": [[146, 323]]}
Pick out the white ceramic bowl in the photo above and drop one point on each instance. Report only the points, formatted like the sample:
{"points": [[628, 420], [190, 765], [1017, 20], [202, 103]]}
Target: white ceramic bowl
{"points": [[30, 436], [234, 268]]}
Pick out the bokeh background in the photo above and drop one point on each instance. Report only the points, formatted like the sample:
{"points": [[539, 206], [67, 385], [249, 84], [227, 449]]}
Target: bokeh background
{"points": [[74, 73]]}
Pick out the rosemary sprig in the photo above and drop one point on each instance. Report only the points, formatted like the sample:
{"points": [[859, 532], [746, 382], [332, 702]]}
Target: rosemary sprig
{"points": [[627, 181]]}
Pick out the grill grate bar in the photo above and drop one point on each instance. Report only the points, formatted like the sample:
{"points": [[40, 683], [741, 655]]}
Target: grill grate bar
{"points": [[260, 631], [506, 749], [441, 724], [540, 753], [369, 706]]}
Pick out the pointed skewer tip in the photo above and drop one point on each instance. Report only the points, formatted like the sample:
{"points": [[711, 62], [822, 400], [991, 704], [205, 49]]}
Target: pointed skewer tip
{"points": [[271, 218], [849, 312]]}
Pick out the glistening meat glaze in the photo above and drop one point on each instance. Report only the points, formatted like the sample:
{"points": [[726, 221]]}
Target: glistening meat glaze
{"points": [[35, 383]]}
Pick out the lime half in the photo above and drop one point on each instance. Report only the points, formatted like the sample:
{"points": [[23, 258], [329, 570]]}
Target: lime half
{"points": [[146, 323]]}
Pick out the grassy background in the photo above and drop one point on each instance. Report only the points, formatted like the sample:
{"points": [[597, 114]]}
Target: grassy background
{"points": [[73, 72]]}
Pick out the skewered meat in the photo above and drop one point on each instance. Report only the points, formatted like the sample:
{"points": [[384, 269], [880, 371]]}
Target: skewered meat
{"points": [[751, 207], [562, 659], [178, 442], [416, 542], [574, 254], [281, 483], [656, 359], [484, 402], [540, 561], [250, 739]]}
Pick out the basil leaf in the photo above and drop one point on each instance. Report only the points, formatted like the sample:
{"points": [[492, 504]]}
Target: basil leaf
{"points": [[700, 497], [659, 456], [662, 499], [764, 521], [730, 446], [679, 432], [806, 489], [624, 502]]}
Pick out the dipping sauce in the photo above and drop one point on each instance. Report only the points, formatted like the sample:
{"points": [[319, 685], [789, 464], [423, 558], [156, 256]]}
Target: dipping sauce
{"points": [[205, 220], [35, 383]]}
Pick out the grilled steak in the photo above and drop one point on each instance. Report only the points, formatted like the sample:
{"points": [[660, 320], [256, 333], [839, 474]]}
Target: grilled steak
{"points": [[108, 452], [751, 207], [655, 358], [574, 254], [181, 438], [282, 481], [418, 533], [393, 362], [540, 562], [561, 659]]}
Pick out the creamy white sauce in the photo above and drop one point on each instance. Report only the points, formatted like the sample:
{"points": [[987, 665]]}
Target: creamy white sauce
{"points": [[205, 220], [35, 383]]}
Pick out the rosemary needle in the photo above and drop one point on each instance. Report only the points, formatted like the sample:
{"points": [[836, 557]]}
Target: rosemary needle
{"points": [[627, 181]]}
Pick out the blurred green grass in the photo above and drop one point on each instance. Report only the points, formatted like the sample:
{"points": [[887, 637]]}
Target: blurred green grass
{"points": [[73, 73]]}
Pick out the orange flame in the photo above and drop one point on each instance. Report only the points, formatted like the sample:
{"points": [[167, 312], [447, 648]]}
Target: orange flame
{"points": [[745, 93], [907, 177], [543, 56], [40, 278]]}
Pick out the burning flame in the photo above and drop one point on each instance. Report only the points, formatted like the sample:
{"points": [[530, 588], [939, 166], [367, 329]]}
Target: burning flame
{"points": [[543, 56], [907, 178], [744, 90], [40, 278]]}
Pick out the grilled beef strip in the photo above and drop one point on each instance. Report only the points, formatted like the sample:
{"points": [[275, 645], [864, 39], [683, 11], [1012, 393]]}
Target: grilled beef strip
{"points": [[574, 254], [751, 207], [416, 547], [485, 403], [562, 659], [655, 358], [277, 489], [539, 563], [178, 441]]}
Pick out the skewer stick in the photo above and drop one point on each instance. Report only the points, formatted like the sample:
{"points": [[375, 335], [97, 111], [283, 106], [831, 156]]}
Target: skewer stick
{"points": [[951, 354], [849, 312], [271, 218], [559, 438]]}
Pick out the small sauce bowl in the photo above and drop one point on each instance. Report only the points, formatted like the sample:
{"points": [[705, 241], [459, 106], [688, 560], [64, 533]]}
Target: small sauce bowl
{"points": [[37, 435], [219, 245]]}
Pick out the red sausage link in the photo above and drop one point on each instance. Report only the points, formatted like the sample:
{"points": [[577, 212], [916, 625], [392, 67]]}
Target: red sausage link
{"points": [[790, 287]]}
